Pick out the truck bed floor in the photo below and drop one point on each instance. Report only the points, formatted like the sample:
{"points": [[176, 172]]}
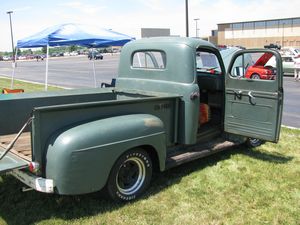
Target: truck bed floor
{"points": [[22, 147]]}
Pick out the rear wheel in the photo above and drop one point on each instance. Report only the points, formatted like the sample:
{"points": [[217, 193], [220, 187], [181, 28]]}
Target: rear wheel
{"points": [[130, 176]]}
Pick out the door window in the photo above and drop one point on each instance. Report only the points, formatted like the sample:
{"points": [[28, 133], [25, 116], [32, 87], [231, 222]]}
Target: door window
{"points": [[255, 65]]}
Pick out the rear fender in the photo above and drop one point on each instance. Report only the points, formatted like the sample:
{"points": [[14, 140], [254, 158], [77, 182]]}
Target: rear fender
{"points": [[79, 159]]}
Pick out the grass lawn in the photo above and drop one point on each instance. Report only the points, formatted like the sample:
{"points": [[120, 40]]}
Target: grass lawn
{"points": [[28, 87], [239, 186]]}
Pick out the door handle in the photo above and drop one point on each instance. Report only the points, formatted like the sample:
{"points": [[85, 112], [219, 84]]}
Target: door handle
{"points": [[251, 98]]}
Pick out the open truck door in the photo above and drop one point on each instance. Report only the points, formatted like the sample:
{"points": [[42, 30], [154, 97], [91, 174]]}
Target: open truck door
{"points": [[254, 94]]}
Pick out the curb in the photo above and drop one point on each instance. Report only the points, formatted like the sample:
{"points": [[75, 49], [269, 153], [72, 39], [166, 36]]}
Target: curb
{"points": [[33, 82], [293, 128]]}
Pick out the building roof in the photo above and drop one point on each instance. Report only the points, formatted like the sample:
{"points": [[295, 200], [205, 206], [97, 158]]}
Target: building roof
{"points": [[259, 20]]}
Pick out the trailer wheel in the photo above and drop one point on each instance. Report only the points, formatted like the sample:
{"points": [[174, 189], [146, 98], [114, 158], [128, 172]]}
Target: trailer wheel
{"points": [[130, 176]]}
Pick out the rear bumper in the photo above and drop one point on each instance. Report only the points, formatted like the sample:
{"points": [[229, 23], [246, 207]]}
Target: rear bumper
{"points": [[38, 183]]}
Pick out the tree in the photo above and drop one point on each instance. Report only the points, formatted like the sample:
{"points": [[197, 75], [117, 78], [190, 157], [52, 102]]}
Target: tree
{"points": [[19, 51], [73, 48], [44, 49]]}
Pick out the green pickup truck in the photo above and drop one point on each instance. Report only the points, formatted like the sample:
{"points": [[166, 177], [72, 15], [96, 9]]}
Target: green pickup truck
{"points": [[174, 100]]}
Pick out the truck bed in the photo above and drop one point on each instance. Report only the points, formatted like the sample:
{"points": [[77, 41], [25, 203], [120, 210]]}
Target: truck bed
{"points": [[22, 147]]}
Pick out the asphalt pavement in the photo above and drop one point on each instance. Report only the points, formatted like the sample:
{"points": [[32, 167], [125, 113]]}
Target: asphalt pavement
{"points": [[291, 102], [77, 72], [69, 72]]}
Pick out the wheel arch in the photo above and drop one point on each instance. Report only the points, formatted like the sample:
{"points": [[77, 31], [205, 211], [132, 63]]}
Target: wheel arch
{"points": [[153, 155], [158, 162]]}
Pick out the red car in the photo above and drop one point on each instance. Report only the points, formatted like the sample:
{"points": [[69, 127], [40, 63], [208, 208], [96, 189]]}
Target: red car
{"points": [[259, 70]]}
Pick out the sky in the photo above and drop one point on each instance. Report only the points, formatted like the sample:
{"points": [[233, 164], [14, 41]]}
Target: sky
{"points": [[129, 16]]}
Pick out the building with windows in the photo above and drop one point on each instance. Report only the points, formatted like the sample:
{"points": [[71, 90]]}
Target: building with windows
{"points": [[155, 32], [256, 34]]}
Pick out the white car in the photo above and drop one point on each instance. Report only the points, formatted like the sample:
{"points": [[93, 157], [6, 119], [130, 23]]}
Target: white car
{"points": [[289, 51], [73, 53], [22, 57], [6, 58], [287, 64]]}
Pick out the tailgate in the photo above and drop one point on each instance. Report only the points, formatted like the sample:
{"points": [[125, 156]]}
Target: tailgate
{"points": [[11, 161]]}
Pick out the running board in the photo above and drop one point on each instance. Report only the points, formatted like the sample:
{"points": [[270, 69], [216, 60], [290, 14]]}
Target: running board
{"points": [[197, 151]]}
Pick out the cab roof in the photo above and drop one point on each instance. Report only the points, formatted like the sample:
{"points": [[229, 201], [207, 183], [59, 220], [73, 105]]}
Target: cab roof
{"points": [[192, 42]]}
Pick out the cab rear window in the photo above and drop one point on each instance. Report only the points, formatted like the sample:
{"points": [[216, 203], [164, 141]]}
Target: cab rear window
{"points": [[149, 60], [207, 63]]}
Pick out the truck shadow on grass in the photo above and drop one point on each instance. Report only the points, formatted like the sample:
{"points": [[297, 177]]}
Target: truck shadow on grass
{"points": [[32, 207]]}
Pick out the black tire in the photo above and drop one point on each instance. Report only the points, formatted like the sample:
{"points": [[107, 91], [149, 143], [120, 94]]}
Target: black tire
{"points": [[255, 76], [130, 175], [254, 142]]}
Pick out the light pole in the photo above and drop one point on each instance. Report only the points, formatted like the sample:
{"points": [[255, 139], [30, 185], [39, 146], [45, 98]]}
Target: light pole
{"points": [[282, 41], [13, 51], [196, 20], [11, 33], [187, 17]]}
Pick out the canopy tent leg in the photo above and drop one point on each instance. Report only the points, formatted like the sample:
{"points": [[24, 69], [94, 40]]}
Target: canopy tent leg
{"points": [[94, 70], [14, 63], [47, 63]]}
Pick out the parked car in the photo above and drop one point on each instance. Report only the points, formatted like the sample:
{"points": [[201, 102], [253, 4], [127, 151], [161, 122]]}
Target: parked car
{"points": [[289, 51], [22, 57], [274, 46], [73, 53], [54, 54], [40, 57], [96, 55], [262, 69], [30, 56], [6, 58], [288, 65]]}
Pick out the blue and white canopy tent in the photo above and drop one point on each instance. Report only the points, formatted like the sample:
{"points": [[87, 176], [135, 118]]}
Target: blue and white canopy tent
{"points": [[74, 34]]}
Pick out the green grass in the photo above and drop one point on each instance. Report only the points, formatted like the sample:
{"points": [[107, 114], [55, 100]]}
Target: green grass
{"points": [[28, 87], [239, 186]]}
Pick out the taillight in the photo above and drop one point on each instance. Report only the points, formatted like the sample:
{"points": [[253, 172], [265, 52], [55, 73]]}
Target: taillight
{"points": [[34, 167]]}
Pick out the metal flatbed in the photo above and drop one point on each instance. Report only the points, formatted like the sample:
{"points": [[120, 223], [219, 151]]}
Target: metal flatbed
{"points": [[22, 147]]}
